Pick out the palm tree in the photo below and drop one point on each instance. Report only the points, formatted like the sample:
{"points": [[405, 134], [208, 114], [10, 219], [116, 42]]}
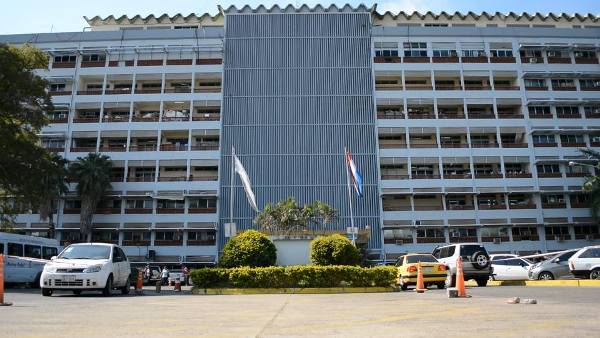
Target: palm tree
{"points": [[592, 182], [288, 216], [93, 176], [53, 186]]}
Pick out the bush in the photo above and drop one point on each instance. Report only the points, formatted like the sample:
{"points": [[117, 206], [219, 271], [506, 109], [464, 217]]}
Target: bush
{"points": [[250, 248], [294, 277], [333, 250]]}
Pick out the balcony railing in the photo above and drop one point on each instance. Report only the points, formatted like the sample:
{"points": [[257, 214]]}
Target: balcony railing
{"points": [[213, 61], [549, 175], [421, 116], [586, 60], [388, 86], [477, 87], [117, 118], [175, 118], [206, 117], [506, 87], [518, 238], [147, 91], [114, 148], [418, 87], [178, 242], [185, 90], [540, 116], [488, 175], [539, 88], [573, 144], [498, 206], [457, 176], [148, 178], [568, 116], [416, 59], [506, 115], [394, 176], [522, 206], [83, 149], [577, 174], [518, 175], [94, 119], [494, 238], [481, 115], [179, 62], [198, 242], [170, 210], [428, 207], [108, 211], [63, 65], [484, 145], [454, 145], [590, 88], [431, 240], [392, 207], [514, 145], [502, 59], [445, 59], [580, 205], [559, 60], [387, 59], [138, 211], [119, 91], [90, 92], [136, 243], [143, 147], [546, 145], [145, 119], [173, 147], [202, 210], [207, 89], [150, 62], [91, 64], [447, 87], [564, 88], [204, 177], [554, 205], [469, 239], [58, 120], [474, 59], [172, 178], [424, 176], [205, 146], [451, 115], [460, 207], [423, 145], [392, 145]]}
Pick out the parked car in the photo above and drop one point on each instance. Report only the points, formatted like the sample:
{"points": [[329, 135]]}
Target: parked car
{"points": [[510, 267], [555, 267], [585, 263], [177, 275], [476, 262], [434, 272], [87, 266]]}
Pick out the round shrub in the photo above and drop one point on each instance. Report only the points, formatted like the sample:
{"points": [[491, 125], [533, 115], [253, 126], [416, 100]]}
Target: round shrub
{"points": [[333, 250], [249, 248]]}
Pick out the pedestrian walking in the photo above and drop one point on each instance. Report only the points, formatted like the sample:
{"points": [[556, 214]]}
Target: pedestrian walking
{"points": [[186, 273], [165, 276], [147, 273]]}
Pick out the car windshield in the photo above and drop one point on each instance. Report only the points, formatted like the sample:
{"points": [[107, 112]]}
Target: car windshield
{"points": [[176, 271], [420, 258], [86, 252]]}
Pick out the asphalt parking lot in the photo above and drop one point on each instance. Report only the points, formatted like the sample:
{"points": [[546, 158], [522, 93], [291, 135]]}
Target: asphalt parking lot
{"points": [[562, 311]]}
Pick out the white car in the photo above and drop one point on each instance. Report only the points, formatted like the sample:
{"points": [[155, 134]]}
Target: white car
{"points": [[585, 263], [510, 267], [87, 266]]}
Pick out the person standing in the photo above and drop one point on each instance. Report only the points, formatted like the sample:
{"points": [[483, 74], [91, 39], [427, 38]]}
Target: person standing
{"points": [[186, 273], [165, 276]]}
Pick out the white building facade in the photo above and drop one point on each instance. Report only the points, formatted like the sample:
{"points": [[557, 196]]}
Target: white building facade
{"points": [[474, 121]]}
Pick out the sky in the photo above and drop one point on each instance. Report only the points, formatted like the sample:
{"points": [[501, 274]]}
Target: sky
{"points": [[43, 16]]}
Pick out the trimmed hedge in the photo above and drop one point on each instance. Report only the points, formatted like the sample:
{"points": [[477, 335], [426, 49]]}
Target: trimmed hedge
{"points": [[333, 250], [302, 276], [249, 248]]}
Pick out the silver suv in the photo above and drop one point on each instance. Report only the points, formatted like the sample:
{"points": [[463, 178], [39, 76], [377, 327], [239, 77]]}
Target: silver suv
{"points": [[476, 262], [555, 267]]}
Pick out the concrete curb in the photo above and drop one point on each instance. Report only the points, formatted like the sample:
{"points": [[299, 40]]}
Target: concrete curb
{"points": [[565, 282], [263, 291]]}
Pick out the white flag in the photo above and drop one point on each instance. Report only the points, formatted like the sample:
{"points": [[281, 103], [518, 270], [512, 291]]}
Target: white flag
{"points": [[239, 168]]}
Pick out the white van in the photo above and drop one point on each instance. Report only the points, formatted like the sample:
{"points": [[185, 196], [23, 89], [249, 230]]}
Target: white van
{"points": [[585, 263], [25, 256]]}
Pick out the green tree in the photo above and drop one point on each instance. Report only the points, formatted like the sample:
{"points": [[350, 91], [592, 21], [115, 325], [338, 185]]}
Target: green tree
{"points": [[592, 182], [288, 216], [52, 188], [333, 250], [92, 174], [23, 101], [249, 248]]}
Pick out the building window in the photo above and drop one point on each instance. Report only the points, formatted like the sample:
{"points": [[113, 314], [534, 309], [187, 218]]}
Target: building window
{"points": [[535, 83], [563, 83], [553, 199], [170, 204], [501, 52], [543, 139], [203, 203], [58, 87], [590, 83], [442, 49], [548, 169], [415, 49], [386, 49], [93, 57], [571, 139], [539, 110], [567, 110], [585, 54], [136, 236], [65, 58]]}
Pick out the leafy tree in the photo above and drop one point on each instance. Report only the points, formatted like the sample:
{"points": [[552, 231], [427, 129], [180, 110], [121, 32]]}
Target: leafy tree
{"points": [[52, 188], [93, 176], [249, 248], [288, 216], [23, 101], [333, 250], [592, 183]]}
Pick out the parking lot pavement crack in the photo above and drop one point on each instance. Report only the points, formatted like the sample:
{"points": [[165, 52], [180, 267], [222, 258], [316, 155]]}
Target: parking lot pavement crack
{"points": [[272, 320]]}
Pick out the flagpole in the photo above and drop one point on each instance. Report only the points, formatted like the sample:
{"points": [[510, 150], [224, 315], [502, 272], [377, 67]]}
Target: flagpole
{"points": [[232, 191], [349, 196]]}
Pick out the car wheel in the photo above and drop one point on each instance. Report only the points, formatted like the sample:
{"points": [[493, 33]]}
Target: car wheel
{"points": [[450, 281], [480, 260], [108, 287], [46, 292], [77, 292], [481, 282], [441, 285], [127, 287], [403, 286], [546, 276], [595, 274]]}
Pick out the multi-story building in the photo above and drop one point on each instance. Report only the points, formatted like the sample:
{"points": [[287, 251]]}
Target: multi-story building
{"points": [[464, 126]]}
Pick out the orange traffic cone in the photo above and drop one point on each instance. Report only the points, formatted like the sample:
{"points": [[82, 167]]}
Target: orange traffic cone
{"points": [[460, 279], [420, 284], [2, 303], [139, 287]]}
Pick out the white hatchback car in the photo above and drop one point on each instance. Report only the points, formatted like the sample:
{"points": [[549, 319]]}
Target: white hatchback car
{"points": [[87, 266], [585, 263]]}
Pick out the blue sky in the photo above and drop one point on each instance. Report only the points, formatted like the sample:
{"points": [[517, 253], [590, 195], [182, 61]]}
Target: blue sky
{"points": [[38, 16]]}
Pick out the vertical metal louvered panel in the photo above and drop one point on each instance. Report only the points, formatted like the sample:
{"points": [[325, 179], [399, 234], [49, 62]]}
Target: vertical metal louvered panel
{"points": [[297, 89]]}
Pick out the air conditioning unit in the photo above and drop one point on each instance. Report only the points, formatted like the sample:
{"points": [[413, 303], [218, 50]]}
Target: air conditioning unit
{"points": [[497, 240], [399, 242], [533, 60]]}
